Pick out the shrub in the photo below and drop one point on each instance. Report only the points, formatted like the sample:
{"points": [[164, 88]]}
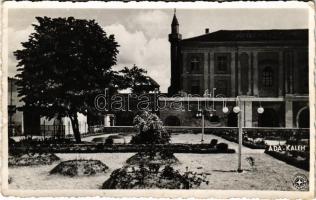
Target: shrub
{"points": [[79, 167], [251, 162], [150, 130], [213, 142], [32, 159], [222, 147], [142, 177], [168, 172], [109, 141], [214, 118]]}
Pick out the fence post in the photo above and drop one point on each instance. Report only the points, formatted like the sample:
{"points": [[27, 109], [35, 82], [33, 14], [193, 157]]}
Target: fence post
{"points": [[44, 129], [68, 127], [54, 129]]}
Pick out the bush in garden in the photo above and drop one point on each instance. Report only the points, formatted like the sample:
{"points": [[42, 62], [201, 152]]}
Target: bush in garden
{"points": [[213, 143], [150, 130], [251, 162], [142, 177], [12, 142], [222, 147], [32, 159], [109, 141], [153, 155], [79, 168], [168, 172]]}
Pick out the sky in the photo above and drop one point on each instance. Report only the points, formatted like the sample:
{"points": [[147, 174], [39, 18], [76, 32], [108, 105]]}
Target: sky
{"points": [[143, 33]]}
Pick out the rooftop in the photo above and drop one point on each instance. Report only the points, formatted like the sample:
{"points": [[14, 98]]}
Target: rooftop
{"points": [[252, 35]]}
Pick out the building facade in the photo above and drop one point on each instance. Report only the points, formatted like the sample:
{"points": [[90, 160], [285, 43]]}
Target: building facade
{"points": [[270, 67], [31, 122], [15, 117]]}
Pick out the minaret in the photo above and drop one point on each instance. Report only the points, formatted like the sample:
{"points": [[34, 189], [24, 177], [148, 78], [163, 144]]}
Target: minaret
{"points": [[174, 39]]}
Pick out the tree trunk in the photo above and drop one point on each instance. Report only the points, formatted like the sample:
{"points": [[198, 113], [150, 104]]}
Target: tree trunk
{"points": [[75, 127], [59, 129]]}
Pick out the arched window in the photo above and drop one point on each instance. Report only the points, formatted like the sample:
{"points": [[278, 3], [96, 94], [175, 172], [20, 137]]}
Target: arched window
{"points": [[195, 64], [267, 77]]}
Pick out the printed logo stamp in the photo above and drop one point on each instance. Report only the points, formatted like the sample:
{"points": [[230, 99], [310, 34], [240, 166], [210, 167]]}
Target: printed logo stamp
{"points": [[300, 182]]}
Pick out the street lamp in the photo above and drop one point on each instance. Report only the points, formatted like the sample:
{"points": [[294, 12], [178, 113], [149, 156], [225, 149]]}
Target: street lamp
{"points": [[225, 108], [202, 115], [260, 110], [238, 109], [204, 112]]}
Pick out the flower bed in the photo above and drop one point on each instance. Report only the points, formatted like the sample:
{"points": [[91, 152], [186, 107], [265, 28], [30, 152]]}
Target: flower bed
{"points": [[143, 177], [153, 157], [124, 148], [79, 168], [32, 159], [292, 158]]}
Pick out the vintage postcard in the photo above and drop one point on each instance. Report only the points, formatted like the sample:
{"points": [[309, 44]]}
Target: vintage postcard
{"points": [[155, 99]]}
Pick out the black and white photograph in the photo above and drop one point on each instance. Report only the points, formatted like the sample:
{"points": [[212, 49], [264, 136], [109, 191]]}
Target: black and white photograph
{"points": [[206, 99]]}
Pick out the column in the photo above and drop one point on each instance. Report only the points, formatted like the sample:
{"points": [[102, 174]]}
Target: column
{"points": [[237, 83], [209, 69], [249, 73], [205, 71], [22, 123], [233, 75], [184, 75], [212, 66], [288, 113], [281, 75], [255, 74], [245, 73], [294, 72], [239, 73], [286, 71], [248, 114]]}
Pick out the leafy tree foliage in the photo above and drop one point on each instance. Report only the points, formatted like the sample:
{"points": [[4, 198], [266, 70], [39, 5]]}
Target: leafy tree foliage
{"points": [[136, 79], [150, 130], [63, 65]]}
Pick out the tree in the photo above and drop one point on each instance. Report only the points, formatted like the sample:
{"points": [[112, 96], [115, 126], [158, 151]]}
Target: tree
{"points": [[136, 79], [63, 65], [150, 129]]}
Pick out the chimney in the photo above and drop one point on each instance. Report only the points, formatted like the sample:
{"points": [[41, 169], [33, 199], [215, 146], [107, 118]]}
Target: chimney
{"points": [[207, 30]]}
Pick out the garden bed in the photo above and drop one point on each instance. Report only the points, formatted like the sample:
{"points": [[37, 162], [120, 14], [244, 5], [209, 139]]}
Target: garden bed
{"points": [[289, 158], [142, 177], [160, 158], [248, 144], [32, 159], [124, 148], [79, 168]]}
